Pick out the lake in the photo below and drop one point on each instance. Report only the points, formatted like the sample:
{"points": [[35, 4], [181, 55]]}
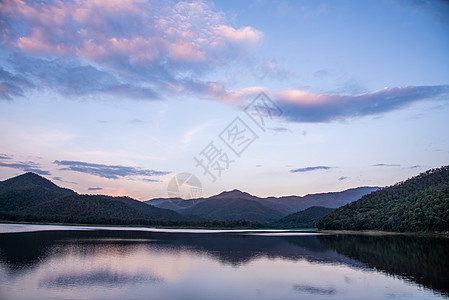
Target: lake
{"points": [[65, 262]]}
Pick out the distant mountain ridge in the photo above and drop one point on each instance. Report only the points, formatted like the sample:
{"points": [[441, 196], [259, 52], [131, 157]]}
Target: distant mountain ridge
{"points": [[235, 204]]}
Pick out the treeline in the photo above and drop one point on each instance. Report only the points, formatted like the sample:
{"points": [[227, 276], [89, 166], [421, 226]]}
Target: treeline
{"points": [[420, 203], [129, 222]]}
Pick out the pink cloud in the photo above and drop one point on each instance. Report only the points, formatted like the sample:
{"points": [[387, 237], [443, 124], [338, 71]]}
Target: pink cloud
{"points": [[245, 35], [38, 42], [304, 106], [300, 97], [186, 51], [131, 30]]}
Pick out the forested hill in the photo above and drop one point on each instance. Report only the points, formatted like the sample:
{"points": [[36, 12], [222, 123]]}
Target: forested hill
{"points": [[30, 197], [417, 204], [303, 219]]}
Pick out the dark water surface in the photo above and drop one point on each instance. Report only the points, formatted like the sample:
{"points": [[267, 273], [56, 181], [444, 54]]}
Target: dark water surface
{"points": [[109, 264]]}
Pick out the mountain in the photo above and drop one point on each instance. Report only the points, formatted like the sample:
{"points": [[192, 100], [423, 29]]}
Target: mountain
{"points": [[231, 205], [417, 204], [30, 180], [30, 197], [303, 219], [233, 209], [292, 204], [235, 194]]}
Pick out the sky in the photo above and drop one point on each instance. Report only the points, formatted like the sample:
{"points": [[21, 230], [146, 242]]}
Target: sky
{"points": [[273, 98]]}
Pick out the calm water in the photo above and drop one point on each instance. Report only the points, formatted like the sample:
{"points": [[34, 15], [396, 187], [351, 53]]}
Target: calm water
{"points": [[110, 264]]}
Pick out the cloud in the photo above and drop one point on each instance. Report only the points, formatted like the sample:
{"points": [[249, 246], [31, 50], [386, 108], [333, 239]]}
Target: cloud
{"points": [[309, 169], [106, 171], [302, 106], [136, 121], [12, 85], [321, 73], [343, 178], [95, 189], [151, 180], [386, 165], [61, 180], [73, 78], [146, 45], [25, 166], [272, 70], [279, 129], [415, 166], [6, 156], [136, 49], [437, 8]]}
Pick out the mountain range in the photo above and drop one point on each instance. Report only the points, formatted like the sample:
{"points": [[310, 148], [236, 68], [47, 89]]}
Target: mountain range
{"points": [[33, 198], [238, 205], [420, 203]]}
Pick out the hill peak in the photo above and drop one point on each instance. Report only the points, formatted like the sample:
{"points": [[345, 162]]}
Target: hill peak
{"points": [[30, 179], [234, 194]]}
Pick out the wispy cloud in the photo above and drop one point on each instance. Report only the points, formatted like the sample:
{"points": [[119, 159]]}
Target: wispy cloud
{"points": [[321, 73], [304, 106], [279, 129], [6, 156], [25, 166], [415, 167], [272, 70], [310, 169], [12, 85], [95, 189], [343, 178], [57, 178], [386, 165], [150, 180], [72, 78], [301, 106], [136, 121], [107, 171]]}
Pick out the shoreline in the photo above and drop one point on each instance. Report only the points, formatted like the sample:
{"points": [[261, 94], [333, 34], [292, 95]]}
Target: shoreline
{"points": [[218, 229]]}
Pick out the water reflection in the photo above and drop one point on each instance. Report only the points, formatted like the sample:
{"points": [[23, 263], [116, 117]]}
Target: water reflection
{"points": [[424, 259], [153, 265], [96, 278]]}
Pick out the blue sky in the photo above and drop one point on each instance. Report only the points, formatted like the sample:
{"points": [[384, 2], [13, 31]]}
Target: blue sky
{"points": [[117, 97]]}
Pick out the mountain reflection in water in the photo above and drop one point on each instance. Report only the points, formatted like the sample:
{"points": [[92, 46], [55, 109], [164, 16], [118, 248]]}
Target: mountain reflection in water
{"points": [[156, 265]]}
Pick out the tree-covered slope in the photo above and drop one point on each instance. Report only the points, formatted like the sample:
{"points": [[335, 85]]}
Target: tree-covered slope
{"points": [[303, 219], [417, 204], [233, 209], [30, 180], [30, 197]]}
